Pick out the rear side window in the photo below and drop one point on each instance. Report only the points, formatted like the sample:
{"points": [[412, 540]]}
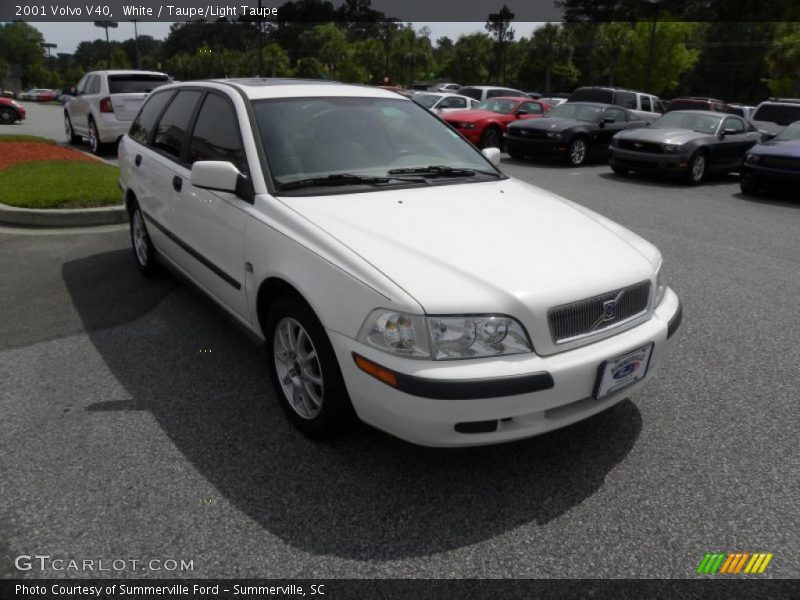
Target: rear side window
{"points": [[216, 134], [532, 108], [171, 130], [93, 86], [646, 104], [143, 124], [471, 92], [625, 100], [135, 84], [495, 93], [780, 114], [592, 95]]}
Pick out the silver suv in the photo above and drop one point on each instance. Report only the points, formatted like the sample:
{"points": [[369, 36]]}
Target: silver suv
{"points": [[774, 115], [105, 103]]}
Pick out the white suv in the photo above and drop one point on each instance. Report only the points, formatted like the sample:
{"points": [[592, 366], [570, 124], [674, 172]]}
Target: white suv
{"points": [[395, 274], [105, 103]]}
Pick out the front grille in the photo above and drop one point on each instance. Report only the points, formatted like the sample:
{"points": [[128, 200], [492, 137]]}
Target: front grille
{"points": [[641, 146], [529, 133], [586, 317], [792, 164]]}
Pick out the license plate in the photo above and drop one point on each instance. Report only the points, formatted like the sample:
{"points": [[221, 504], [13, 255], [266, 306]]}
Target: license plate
{"points": [[623, 371]]}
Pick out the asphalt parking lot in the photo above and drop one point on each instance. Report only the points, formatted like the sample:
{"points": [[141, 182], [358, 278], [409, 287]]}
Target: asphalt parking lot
{"points": [[138, 424]]}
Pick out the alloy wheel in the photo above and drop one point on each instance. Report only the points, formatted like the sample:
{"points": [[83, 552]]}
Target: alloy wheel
{"points": [[298, 368], [577, 151], [140, 244]]}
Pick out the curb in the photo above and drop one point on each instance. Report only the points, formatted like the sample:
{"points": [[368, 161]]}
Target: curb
{"points": [[67, 217]]}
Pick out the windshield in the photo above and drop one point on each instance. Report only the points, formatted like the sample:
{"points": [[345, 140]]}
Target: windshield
{"points": [[309, 138], [504, 107], [688, 120], [574, 110], [426, 100], [780, 114], [792, 132]]}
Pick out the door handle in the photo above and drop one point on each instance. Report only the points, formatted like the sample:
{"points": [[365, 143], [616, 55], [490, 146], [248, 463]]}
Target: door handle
{"points": [[138, 160], [177, 183]]}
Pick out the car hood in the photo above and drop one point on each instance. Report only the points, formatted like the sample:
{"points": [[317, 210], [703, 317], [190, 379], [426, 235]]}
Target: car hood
{"points": [[662, 135], [771, 128], [549, 124], [493, 247], [471, 115], [782, 148]]}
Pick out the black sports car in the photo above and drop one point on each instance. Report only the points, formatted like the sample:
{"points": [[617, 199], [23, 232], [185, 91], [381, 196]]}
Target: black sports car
{"points": [[575, 130], [690, 143]]}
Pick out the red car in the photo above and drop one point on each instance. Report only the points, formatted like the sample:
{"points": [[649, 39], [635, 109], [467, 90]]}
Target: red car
{"points": [[485, 125], [10, 111]]}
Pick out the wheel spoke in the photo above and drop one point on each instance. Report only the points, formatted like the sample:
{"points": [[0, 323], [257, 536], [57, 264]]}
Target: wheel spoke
{"points": [[298, 368]]}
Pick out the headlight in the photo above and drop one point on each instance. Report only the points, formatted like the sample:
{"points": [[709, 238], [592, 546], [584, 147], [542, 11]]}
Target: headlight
{"points": [[671, 147], [553, 135], [752, 159], [661, 286], [445, 337]]}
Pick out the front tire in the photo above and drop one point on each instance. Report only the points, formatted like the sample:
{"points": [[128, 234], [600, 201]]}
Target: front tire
{"points": [[698, 166], [143, 251], [304, 370], [7, 116], [490, 138], [577, 151]]}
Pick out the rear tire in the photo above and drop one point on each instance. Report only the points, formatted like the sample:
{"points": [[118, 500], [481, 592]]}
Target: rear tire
{"points": [[143, 251], [304, 370]]}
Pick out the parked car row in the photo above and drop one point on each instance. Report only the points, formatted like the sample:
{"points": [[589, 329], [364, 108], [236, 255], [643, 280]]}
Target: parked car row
{"points": [[40, 95]]}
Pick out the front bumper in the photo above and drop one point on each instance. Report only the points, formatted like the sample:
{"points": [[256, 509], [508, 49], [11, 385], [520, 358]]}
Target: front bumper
{"points": [[770, 178], [648, 161], [473, 135], [536, 147], [450, 401]]}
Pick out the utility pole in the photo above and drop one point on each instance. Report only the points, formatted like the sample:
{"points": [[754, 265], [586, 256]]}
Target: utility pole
{"points": [[106, 25], [136, 44]]}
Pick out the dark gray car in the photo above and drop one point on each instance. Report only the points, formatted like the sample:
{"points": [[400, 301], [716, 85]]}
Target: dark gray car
{"points": [[690, 143]]}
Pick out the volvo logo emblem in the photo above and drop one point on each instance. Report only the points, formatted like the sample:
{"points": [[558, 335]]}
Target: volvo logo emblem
{"points": [[608, 311]]}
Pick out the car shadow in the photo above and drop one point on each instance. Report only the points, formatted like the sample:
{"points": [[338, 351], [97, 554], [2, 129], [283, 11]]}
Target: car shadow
{"points": [[662, 180], [771, 198], [366, 496]]}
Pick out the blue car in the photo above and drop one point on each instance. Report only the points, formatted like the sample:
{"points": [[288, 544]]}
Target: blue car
{"points": [[773, 165]]}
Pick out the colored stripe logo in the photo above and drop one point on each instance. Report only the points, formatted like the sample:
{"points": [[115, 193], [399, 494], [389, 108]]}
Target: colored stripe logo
{"points": [[734, 563]]}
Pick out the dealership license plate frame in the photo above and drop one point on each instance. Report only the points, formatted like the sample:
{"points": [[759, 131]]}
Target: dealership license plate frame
{"points": [[605, 386]]}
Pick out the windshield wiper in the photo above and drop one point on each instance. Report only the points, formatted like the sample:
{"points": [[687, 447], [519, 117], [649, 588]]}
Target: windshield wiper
{"points": [[441, 171], [345, 179]]}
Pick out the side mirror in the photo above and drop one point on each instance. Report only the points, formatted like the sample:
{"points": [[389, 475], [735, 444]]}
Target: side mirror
{"points": [[729, 132], [493, 154], [521, 111], [221, 176], [608, 119]]}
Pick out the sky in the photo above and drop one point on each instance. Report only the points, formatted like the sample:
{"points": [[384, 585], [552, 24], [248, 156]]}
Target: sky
{"points": [[68, 35]]}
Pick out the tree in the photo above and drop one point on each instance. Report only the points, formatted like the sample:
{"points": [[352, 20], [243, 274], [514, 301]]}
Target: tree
{"points": [[331, 46], [22, 44], [471, 58], [410, 57], [612, 44], [309, 68], [274, 59], [783, 62], [499, 26], [551, 57]]}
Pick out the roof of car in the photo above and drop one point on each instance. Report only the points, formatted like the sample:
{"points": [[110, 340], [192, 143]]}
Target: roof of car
{"points": [[127, 72], [265, 88], [696, 99], [707, 113]]}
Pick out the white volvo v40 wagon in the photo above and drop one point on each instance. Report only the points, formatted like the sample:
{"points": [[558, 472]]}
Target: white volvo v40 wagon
{"points": [[394, 273]]}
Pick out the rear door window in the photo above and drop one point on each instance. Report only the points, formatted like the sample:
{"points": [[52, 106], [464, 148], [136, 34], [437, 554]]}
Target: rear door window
{"points": [[625, 100], [143, 124], [135, 84], [780, 114], [471, 92], [646, 106], [592, 95], [216, 134], [171, 130]]}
